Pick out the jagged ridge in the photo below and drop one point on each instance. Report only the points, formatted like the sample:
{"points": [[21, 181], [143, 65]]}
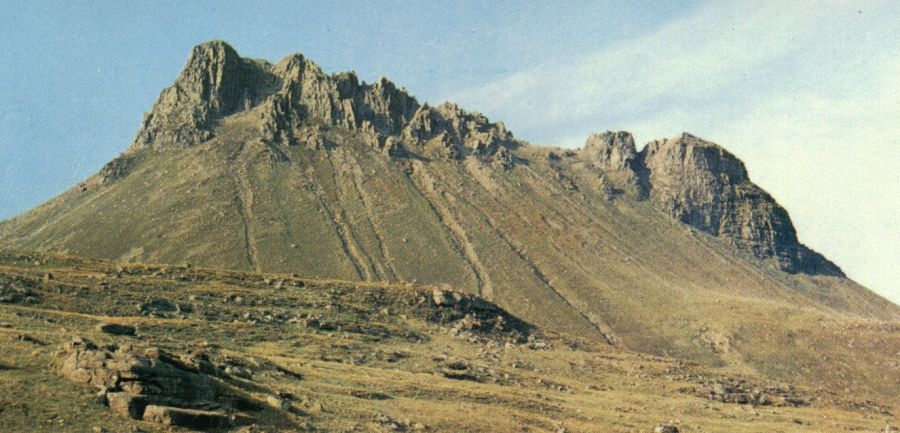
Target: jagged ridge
{"points": [[294, 96]]}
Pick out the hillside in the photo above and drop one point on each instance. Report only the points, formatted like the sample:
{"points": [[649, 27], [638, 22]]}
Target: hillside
{"points": [[670, 251], [85, 340]]}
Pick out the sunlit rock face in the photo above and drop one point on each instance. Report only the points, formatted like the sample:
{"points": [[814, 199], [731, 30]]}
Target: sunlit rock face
{"points": [[701, 184]]}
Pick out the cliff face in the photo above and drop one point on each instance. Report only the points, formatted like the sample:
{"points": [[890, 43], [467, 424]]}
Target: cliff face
{"points": [[295, 94], [215, 82], [699, 183]]}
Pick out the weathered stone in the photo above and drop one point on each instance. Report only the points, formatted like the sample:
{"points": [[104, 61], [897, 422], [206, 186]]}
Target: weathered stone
{"points": [[191, 418], [703, 185], [448, 132], [611, 150], [279, 402], [116, 169], [215, 82], [136, 378], [665, 428], [442, 298], [127, 405]]}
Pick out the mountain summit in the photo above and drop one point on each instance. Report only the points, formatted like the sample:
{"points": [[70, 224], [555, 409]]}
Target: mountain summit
{"points": [[244, 164], [294, 96]]}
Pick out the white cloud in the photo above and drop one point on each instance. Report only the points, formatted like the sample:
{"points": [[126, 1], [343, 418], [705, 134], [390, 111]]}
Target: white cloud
{"points": [[808, 94], [833, 163], [692, 57]]}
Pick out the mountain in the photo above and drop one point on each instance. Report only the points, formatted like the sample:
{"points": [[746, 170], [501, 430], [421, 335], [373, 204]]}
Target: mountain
{"points": [[671, 250]]}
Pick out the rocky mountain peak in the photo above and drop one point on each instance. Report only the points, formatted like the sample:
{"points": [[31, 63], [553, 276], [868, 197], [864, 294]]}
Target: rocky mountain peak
{"points": [[692, 154], [699, 183], [611, 150], [295, 95], [215, 82], [293, 102]]}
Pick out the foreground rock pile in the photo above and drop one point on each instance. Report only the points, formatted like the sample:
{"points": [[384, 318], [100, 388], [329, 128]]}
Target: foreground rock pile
{"points": [[153, 385], [740, 391], [17, 291], [476, 320]]}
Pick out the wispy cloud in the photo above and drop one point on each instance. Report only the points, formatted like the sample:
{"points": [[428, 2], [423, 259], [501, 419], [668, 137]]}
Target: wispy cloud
{"points": [[807, 93], [691, 59]]}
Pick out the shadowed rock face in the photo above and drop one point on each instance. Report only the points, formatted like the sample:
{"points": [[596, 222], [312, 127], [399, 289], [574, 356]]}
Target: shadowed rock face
{"points": [[215, 82], [701, 184]]}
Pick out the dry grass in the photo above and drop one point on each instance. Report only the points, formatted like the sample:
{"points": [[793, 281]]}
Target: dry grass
{"points": [[383, 354]]}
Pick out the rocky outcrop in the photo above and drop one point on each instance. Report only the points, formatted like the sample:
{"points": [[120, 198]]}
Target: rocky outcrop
{"points": [[665, 428], [448, 132], [386, 117], [152, 385], [611, 150], [215, 82], [701, 184], [739, 391], [296, 102], [615, 154], [308, 95], [117, 168]]}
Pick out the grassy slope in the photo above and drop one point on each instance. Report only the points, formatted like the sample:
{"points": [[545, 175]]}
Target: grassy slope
{"points": [[541, 240], [385, 358]]}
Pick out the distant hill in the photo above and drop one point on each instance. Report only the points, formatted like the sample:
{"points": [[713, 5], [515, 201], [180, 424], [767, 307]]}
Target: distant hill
{"points": [[247, 165]]}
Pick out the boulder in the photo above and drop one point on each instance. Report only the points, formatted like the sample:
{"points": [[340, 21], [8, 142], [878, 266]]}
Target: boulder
{"points": [[158, 306], [443, 298], [126, 404], [665, 428], [149, 372], [132, 381]]}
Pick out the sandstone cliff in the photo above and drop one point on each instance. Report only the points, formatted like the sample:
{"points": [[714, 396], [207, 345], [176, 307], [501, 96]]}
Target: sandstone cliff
{"points": [[701, 184], [295, 94]]}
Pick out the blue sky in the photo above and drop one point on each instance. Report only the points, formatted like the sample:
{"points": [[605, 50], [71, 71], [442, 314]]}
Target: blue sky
{"points": [[806, 93]]}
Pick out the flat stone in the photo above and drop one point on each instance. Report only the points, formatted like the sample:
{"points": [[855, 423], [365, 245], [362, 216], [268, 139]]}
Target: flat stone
{"points": [[191, 418]]}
